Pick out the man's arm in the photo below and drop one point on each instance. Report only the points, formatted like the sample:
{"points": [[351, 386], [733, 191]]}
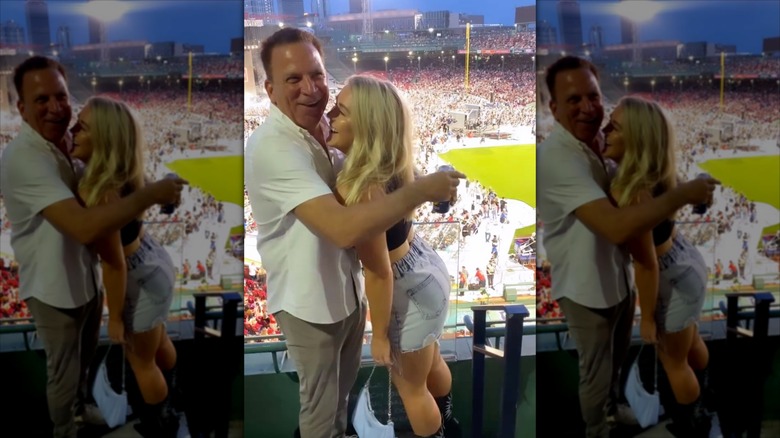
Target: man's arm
{"points": [[42, 191], [349, 226], [287, 176], [88, 225], [619, 225]]}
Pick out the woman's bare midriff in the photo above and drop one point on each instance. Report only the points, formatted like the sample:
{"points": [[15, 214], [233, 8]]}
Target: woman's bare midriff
{"points": [[401, 251]]}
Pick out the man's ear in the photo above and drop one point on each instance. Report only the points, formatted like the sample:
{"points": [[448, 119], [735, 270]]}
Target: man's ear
{"points": [[269, 89], [20, 106]]}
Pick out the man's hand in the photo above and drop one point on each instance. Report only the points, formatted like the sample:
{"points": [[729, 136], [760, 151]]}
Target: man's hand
{"points": [[167, 190], [440, 186], [699, 190]]}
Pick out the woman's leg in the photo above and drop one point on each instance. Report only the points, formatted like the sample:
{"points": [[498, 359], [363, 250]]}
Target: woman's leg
{"points": [[439, 384], [673, 352], [411, 384], [439, 380], [698, 355], [165, 356], [142, 352]]}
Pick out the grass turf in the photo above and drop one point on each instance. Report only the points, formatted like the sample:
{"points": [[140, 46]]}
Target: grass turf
{"points": [[756, 177], [221, 177], [509, 170]]}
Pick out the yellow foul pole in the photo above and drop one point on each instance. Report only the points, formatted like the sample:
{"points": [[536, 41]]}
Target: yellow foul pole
{"points": [[722, 76], [189, 84], [468, 46]]}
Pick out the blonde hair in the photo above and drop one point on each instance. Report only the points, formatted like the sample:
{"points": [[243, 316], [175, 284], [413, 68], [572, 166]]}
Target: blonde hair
{"points": [[649, 157], [382, 145], [117, 161]]}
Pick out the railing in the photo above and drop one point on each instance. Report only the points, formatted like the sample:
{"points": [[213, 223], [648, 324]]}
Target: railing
{"points": [[753, 348], [515, 315]]}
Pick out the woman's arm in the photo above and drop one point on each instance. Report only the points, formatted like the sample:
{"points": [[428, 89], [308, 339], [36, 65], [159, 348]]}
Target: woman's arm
{"points": [[112, 257], [379, 286], [646, 270]]}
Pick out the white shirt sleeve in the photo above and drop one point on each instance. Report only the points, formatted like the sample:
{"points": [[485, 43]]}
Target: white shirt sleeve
{"points": [[34, 180], [287, 176], [565, 183]]}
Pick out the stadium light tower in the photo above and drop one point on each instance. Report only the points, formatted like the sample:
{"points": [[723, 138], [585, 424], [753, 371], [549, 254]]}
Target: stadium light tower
{"points": [[368, 21], [638, 12]]}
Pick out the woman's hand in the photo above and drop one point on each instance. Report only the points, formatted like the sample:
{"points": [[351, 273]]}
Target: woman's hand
{"points": [[116, 331], [649, 331], [380, 351]]}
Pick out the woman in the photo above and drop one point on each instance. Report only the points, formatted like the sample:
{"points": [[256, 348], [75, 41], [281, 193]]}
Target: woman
{"points": [[670, 273], [137, 272], [407, 283]]}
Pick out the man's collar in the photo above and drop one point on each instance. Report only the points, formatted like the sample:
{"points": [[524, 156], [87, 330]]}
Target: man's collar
{"points": [[279, 117], [37, 139], [569, 139], [30, 133]]}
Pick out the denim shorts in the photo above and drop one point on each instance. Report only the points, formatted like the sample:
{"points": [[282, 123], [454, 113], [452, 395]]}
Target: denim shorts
{"points": [[150, 281], [421, 296], [682, 287]]}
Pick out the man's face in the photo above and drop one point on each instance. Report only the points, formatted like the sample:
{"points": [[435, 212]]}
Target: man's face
{"points": [[298, 86], [45, 104], [577, 103]]}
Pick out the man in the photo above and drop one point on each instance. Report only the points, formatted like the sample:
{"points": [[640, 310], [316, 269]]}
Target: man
{"points": [[59, 276], [314, 285], [592, 276]]}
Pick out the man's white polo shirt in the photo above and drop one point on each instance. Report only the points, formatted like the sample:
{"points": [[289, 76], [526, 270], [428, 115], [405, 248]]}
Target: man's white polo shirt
{"points": [[308, 276], [586, 267], [53, 267]]}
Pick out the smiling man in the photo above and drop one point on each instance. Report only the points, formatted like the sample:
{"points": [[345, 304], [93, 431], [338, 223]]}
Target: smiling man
{"points": [[306, 237], [50, 233], [584, 233]]}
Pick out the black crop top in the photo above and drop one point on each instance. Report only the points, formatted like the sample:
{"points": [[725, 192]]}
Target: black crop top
{"points": [[130, 231], [663, 231], [398, 233]]}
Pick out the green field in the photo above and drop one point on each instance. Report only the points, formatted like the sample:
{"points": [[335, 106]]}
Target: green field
{"points": [[509, 170], [221, 177], [757, 177]]}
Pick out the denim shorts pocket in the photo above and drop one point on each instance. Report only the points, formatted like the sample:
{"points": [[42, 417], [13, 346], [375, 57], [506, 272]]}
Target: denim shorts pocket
{"points": [[157, 284], [688, 284], [429, 297]]}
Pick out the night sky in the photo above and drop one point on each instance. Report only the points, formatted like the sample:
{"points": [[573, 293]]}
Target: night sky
{"points": [[210, 23], [743, 23]]}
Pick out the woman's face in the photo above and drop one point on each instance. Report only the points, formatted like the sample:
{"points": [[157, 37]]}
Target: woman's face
{"points": [[615, 145], [82, 139], [341, 135]]}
